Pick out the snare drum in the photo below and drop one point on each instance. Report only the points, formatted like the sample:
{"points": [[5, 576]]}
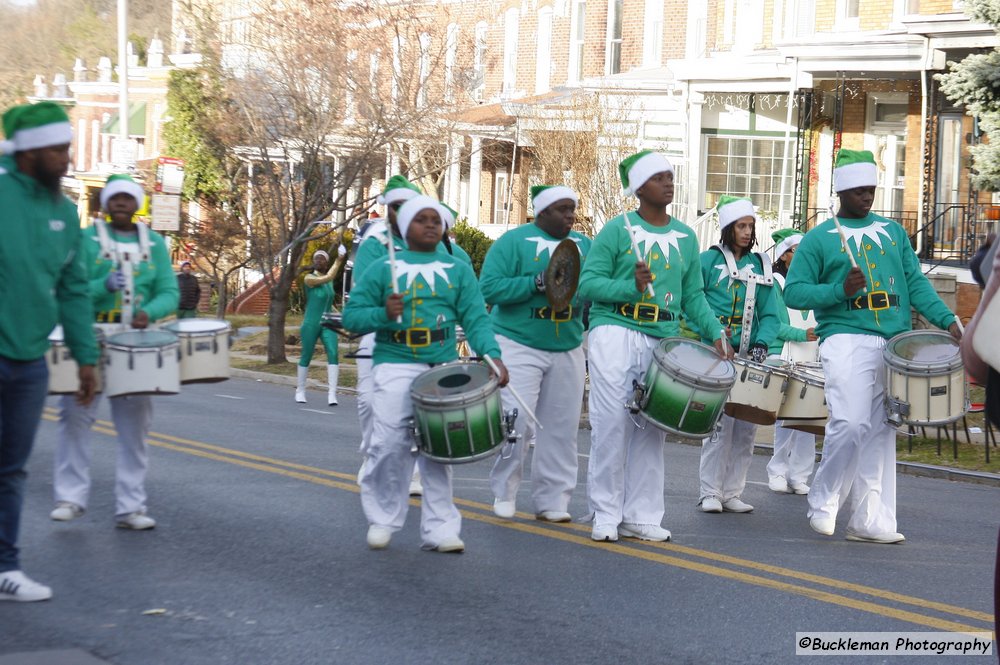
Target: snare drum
{"points": [[758, 391], [804, 405], [204, 347], [685, 388], [142, 362], [332, 320], [64, 378], [457, 413], [925, 380]]}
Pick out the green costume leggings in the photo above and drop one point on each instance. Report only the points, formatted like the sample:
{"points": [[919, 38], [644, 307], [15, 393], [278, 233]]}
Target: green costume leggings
{"points": [[311, 331]]}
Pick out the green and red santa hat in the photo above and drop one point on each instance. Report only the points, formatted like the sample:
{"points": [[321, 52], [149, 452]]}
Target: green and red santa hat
{"points": [[33, 126], [397, 189], [854, 168], [732, 208], [542, 196], [121, 183], [640, 167], [785, 239]]}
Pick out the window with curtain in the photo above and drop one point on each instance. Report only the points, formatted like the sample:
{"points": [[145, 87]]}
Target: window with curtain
{"points": [[578, 20], [613, 58]]}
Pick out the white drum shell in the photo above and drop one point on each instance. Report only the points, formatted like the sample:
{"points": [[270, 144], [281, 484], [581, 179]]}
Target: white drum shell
{"points": [[135, 370], [64, 377], [756, 396], [934, 392], [805, 398], [204, 349]]}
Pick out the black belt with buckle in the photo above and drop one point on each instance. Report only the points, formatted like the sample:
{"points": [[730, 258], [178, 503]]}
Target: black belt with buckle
{"points": [[548, 314], [415, 337], [109, 317], [643, 312], [731, 320], [875, 301]]}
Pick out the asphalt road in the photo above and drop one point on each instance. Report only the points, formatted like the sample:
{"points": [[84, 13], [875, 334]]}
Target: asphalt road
{"points": [[259, 557]]}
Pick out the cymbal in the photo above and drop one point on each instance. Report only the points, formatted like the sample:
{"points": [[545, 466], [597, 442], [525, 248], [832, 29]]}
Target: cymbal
{"points": [[562, 276]]}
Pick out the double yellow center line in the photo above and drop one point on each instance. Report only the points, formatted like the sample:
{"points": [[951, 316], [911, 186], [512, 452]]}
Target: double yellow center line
{"points": [[927, 613]]}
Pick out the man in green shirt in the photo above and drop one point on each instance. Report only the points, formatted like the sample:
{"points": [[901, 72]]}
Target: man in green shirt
{"points": [[858, 310], [44, 283], [543, 350]]}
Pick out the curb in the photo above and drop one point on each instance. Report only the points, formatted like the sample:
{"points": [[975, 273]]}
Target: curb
{"points": [[282, 380]]}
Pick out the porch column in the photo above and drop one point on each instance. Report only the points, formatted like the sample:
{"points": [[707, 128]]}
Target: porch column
{"points": [[454, 175], [475, 176]]}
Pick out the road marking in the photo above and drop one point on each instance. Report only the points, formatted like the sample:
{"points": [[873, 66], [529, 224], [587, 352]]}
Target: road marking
{"points": [[564, 532], [229, 396], [325, 413]]}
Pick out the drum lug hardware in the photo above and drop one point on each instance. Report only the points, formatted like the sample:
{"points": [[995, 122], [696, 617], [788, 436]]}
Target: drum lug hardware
{"points": [[743, 376], [416, 435], [638, 391], [509, 418], [895, 410], [767, 380]]}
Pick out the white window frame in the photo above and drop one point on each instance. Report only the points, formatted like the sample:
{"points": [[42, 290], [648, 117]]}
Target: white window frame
{"points": [[578, 13], [351, 89], [501, 187], [543, 50], [511, 27], [740, 166], [652, 34], [479, 60], [800, 19], [875, 126], [398, 44], [750, 19], [611, 41], [424, 69], [450, 56], [848, 15]]}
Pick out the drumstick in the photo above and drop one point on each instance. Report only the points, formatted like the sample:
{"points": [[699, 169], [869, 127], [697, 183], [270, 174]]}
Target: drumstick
{"points": [[392, 264], [638, 256], [496, 370], [843, 241], [958, 322]]}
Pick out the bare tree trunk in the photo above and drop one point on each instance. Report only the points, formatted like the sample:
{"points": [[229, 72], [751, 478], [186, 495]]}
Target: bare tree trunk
{"points": [[222, 295], [276, 312]]}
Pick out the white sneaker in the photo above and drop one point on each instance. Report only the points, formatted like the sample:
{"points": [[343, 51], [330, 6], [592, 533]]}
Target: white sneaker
{"points": [[799, 488], [66, 511], [823, 525], [452, 544], [604, 533], [504, 509], [300, 396], [778, 484], [16, 586], [881, 538], [711, 505], [644, 532], [736, 506], [553, 516], [378, 537], [137, 521]]}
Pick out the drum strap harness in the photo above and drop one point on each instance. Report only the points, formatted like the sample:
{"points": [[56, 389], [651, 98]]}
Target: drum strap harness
{"points": [[124, 259], [750, 302]]}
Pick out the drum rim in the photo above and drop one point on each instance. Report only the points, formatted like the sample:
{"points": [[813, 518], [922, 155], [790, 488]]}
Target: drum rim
{"points": [[681, 373], [920, 367], [173, 326], [475, 395]]}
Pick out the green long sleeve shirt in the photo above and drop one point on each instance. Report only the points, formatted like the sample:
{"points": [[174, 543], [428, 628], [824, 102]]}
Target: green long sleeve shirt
{"points": [[727, 298], [787, 329], [671, 251], [892, 270], [438, 292], [156, 291], [520, 311], [43, 278]]}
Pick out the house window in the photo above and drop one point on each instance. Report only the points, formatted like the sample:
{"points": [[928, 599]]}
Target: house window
{"points": [[751, 167], [749, 28], [887, 112], [848, 15], [425, 69], [501, 197], [397, 66], [801, 19], [578, 19], [613, 55], [450, 55], [479, 63], [510, 30], [543, 51], [652, 34]]}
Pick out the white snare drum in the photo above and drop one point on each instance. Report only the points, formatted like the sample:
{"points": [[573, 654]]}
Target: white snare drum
{"points": [[756, 396], [925, 380], [804, 405], [142, 362], [64, 378], [204, 345]]}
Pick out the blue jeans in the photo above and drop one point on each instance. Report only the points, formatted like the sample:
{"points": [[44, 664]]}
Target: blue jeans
{"points": [[23, 387]]}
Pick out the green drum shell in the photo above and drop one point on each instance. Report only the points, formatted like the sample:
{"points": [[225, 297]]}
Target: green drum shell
{"points": [[456, 427], [680, 400]]}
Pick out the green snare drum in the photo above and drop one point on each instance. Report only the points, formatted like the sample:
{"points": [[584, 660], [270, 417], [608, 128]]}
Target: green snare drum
{"points": [[457, 413], [685, 388]]}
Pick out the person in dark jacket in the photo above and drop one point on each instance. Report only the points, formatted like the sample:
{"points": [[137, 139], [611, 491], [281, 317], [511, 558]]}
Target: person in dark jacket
{"points": [[190, 292]]}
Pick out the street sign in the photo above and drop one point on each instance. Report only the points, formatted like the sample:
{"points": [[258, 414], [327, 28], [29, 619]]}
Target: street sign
{"points": [[124, 152], [166, 212], [169, 175]]}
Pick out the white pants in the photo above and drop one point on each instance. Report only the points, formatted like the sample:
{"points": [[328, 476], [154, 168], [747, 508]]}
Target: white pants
{"points": [[132, 416], [551, 382], [794, 455], [725, 459], [385, 482], [859, 452], [364, 387], [625, 475]]}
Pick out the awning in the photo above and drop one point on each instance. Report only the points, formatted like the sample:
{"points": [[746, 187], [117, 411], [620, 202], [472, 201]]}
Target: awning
{"points": [[136, 121]]}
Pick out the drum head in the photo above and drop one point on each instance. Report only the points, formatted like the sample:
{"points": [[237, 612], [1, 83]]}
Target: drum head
{"points": [[143, 339], [446, 382], [923, 350], [694, 360], [197, 326]]}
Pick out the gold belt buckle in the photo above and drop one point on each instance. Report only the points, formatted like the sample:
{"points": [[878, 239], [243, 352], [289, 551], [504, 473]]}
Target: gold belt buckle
{"points": [[878, 296], [411, 332], [639, 313], [567, 315]]}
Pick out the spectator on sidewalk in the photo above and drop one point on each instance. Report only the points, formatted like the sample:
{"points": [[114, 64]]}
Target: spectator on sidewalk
{"points": [[190, 290]]}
